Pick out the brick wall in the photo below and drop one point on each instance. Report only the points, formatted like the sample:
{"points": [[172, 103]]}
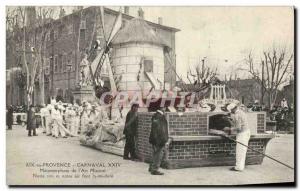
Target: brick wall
{"points": [[184, 153], [144, 150], [261, 123], [189, 124], [210, 153]]}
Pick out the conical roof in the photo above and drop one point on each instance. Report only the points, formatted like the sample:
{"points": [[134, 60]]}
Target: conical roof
{"points": [[138, 31]]}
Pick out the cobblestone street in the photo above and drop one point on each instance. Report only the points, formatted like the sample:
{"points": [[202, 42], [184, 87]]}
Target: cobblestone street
{"points": [[22, 149]]}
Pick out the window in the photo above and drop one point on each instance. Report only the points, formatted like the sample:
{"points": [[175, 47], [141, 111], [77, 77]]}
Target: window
{"points": [[60, 30], [55, 64], [148, 65], [82, 34], [124, 22], [70, 28], [83, 24], [64, 63], [52, 35], [55, 35], [60, 63], [69, 60]]}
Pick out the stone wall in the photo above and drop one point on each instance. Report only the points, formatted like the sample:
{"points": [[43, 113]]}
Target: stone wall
{"points": [[126, 61]]}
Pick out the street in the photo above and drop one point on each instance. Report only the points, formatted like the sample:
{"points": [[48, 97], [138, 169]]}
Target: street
{"points": [[22, 150]]}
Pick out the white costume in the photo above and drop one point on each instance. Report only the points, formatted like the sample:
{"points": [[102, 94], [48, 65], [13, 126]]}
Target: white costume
{"points": [[240, 122], [68, 117], [84, 120], [43, 118], [48, 119], [57, 118], [76, 123]]}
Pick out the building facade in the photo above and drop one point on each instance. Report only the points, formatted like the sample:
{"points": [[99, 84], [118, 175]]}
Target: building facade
{"points": [[65, 40]]}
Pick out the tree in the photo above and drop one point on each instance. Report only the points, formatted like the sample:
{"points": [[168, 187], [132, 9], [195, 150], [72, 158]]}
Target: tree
{"points": [[33, 48], [202, 78], [272, 71]]}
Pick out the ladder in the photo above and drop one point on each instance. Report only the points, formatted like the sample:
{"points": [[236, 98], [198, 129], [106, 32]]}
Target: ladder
{"points": [[167, 54]]}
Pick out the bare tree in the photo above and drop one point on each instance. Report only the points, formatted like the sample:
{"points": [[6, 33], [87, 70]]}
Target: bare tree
{"points": [[202, 77], [272, 71], [37, 32]]}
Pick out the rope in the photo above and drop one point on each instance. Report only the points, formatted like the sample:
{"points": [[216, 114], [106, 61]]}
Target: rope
{"points": [[259, 152]]}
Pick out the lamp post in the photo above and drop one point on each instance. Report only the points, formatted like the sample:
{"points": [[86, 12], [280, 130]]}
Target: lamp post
{"points": [[69, 68]]}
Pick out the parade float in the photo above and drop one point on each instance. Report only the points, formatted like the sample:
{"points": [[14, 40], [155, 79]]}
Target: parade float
{"points": [[137, 65]]}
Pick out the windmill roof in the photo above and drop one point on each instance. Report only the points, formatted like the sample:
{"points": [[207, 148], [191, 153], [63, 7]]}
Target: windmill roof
{"points": [[138, 31]]}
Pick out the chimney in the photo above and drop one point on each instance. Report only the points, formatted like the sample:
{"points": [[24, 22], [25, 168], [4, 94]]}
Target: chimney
{"points": [[160, 20], [126, 10], [141, 13]]}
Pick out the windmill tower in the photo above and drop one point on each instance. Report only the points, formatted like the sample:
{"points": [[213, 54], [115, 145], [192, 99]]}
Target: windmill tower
{"points": [[138, 55]]}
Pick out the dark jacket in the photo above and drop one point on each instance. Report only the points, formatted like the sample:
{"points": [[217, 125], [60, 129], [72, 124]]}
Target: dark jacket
{"points": [[131, 124], [159, 130], [31, 120], [9, 116]]}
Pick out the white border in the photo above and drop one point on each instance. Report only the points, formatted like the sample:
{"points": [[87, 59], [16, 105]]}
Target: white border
{"points": [[3, 3]]}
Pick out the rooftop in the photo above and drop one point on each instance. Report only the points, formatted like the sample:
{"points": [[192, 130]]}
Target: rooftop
{"points": [[137, 30]]}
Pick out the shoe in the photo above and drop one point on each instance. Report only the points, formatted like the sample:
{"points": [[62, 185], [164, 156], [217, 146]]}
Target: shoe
{"points": [[126, 158], [233, 169], [149, 169], [64, 137], [157, 173], [35, 135], [29, 135]]}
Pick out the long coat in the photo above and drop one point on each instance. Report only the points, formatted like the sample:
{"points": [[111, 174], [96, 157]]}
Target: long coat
{"points": [[131, 124], [31, 120], [9, 116], [159, 130]]}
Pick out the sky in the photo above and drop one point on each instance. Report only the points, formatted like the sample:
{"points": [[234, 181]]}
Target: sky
{"points": [[224, 33]]}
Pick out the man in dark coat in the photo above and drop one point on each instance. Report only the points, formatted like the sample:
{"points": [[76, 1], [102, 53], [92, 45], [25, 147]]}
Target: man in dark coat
{"points": [[9, 117], [130, 128], [158, 138], [31, 121]]}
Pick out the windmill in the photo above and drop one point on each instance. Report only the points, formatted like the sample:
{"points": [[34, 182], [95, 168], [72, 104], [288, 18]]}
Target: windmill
{"points": [[103, 57]]}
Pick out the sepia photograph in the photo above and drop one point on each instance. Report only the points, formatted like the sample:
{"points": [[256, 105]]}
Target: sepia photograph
{"points": [[150, 95]]}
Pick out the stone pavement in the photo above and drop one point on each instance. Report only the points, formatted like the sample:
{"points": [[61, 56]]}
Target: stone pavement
{"points": [[22, 150]]}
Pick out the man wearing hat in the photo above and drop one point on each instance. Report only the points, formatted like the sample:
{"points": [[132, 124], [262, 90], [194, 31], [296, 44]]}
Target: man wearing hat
{"points": [[158, 139], [239, 125], [130, 128], [31, 121]]}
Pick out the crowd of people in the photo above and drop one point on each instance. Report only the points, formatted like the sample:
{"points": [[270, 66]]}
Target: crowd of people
{"points": [[60, 119]]}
